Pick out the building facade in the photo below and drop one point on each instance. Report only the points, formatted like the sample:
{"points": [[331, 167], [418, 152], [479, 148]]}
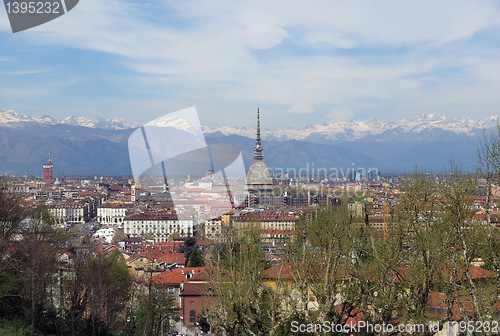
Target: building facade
{"points": [[110, 212], [70, 212], [158, 225]]}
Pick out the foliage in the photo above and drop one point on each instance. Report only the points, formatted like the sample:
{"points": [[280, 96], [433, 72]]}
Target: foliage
{"points": [[36, 258], [12, 214], [15, 326], [196, 258], [173, 235], [120, 235], [241, 304], [339, 266], [102, 297], [148, 236], [188, 246]]}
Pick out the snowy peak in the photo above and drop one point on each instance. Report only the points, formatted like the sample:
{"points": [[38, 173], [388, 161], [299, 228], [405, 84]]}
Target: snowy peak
{"points": [[432, 117], [246, 131], [116, 124], [9, 117], [427, 126]]}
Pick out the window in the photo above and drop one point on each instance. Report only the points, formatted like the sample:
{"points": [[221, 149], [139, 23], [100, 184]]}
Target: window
{"points": [[192, 316]]}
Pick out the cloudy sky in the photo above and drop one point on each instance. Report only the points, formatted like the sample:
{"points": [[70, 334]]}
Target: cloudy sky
{"points": [[300, 61]]}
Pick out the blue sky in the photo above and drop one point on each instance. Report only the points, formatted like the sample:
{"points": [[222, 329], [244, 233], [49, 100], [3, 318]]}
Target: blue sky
{"points": [[301, 62]]}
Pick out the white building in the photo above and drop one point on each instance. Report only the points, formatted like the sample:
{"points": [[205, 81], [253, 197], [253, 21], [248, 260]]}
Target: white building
{"points": [[111, 213], [69, 212], [159, 224]]}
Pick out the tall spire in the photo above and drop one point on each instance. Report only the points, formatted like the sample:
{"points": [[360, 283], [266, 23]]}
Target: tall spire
{"points": [[258, 125], [257, 153]]}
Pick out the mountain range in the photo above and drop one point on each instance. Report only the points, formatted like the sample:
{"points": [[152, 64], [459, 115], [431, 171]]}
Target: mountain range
{"points": [[10, 117], [428, 126], [84, 146]]}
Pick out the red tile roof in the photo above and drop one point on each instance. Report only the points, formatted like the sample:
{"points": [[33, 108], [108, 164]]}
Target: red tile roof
{"points": [[204, 276], [288, 270], [283, 271], [476, 273], [177, 275], [438, 300], [195, 288], [159, 257], [202, 241]]}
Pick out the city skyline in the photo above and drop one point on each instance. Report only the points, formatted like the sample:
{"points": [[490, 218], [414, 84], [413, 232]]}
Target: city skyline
{"points": [[300, 63]]}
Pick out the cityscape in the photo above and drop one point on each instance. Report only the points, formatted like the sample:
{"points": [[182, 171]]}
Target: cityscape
{"points": [[151, 220], [249, 168]]}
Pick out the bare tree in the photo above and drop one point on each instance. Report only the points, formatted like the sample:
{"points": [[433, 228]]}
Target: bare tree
{"points": [[425, 233], [154, 312], [36, 254], [322, 258], [240, 301]]}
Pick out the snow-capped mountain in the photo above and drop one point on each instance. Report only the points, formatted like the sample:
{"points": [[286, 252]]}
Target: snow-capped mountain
{"points": [[10, 117], [101, 145], [375, 129], [428, 126]]}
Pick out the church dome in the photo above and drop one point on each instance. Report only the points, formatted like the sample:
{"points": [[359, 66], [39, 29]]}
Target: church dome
{"points": [[258, 175]]}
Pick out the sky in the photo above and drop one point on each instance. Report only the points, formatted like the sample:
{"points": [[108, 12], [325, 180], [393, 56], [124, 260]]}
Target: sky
{"points": [[299, 61]]}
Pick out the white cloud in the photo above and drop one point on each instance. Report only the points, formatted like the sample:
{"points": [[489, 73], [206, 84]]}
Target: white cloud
{"points": [[267, 51], [21, 93], [235, 29], [341, 114], [330, 37], [407, 84], [301, 108], [383, 21], [25, 72]]}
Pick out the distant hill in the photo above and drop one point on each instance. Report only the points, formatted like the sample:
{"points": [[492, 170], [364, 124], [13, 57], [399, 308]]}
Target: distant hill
{"points": [[89, 151], [299, 154], [74, 149]]}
